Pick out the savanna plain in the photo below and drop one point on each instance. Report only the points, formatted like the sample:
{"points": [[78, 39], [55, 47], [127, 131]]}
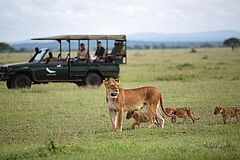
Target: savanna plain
{"points": [[63, 121]]}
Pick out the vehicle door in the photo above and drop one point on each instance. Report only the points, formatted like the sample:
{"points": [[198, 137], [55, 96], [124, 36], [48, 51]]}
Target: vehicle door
{"points": [[51, 72], [78, 69]]}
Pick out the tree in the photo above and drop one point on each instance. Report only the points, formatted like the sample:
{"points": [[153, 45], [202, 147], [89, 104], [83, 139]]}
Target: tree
{"points": [[137, 46], [22, 49], [232, 42], [4, 47], [146, 46], [163, 46], [159, 46], [155, 46]]}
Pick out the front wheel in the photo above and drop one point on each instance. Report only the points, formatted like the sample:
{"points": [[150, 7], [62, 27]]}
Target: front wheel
{"points": [[79, 84], [93, 80], [21, 81], [9, 84]]}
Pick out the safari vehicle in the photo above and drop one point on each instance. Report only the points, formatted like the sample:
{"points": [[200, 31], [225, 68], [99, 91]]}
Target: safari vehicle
{"points": [[87, 72]]}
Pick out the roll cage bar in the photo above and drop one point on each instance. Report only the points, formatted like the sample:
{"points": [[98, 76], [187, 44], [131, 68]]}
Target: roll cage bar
{"points": [[68, 38]]}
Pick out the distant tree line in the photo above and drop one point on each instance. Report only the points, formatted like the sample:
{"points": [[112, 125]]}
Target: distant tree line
{"points": [[149, 46], [174, 45], [230, 42], [5, 48]]}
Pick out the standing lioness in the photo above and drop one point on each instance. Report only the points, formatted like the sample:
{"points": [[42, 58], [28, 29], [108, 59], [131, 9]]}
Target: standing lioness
{"points": [[120, 100]]}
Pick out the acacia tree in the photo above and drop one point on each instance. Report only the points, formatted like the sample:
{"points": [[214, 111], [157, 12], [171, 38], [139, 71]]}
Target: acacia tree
{"points": [[232, 42], [4, 47]]}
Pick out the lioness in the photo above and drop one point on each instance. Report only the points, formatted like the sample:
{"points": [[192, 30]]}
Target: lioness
{"points": [[120, 100], [141, 117], [182, 112], [227, 113]]}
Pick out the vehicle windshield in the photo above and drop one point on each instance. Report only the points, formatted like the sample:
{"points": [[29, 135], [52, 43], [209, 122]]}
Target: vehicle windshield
{"points": [[38, 57]]}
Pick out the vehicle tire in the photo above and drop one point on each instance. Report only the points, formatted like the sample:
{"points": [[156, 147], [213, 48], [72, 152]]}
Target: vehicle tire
{"points": [[93, 80], [9, 84], [21, 81]]}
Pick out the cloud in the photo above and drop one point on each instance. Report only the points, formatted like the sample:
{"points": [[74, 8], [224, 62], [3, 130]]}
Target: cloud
{"points": [[25, 19]]}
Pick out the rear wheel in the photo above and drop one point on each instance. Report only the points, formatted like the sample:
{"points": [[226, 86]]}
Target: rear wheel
{"points": [[93, 80], [21, 81]]}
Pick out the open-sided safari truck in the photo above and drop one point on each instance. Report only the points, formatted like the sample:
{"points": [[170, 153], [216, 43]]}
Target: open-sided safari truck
{"points": [[89, 71]]}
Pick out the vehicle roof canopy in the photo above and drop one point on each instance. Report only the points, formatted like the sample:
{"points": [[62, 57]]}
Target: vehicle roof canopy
{"points": [[84, 37]]}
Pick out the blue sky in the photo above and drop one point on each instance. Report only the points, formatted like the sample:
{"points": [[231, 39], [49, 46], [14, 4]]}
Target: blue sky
{"points": [[25, 19]]}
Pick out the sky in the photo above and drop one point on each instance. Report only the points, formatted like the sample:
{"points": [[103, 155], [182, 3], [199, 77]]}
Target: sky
{"points": [[24, 19]]}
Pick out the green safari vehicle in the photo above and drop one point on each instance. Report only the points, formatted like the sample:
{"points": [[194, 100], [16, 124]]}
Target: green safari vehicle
{"points": [[89, 71]]}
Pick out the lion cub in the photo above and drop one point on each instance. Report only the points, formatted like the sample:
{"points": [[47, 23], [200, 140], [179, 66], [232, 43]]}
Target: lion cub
{"points": [[183, 112], [227, 113], [141, 117]]}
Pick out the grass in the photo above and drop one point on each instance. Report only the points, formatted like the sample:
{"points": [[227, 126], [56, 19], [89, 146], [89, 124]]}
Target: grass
{"points": [[62, 121]]}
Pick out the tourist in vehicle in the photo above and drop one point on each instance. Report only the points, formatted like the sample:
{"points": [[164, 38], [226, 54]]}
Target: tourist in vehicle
{"points": [[114, 50], [100, 51], [50, 58], [117, 52], [82, 53], [113, 53]]}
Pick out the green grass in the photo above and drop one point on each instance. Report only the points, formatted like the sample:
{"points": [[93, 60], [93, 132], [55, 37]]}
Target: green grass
{"points": [[76, 119]]}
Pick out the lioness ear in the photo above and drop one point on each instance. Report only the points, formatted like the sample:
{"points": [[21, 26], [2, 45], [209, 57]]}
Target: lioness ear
{"points": [[105, 82], [221, 110], [117, 81]]}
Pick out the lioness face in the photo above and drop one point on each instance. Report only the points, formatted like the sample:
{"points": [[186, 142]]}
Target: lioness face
{"points": [[217, 110], [169, 111], [112, 88], [129, 114]]}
